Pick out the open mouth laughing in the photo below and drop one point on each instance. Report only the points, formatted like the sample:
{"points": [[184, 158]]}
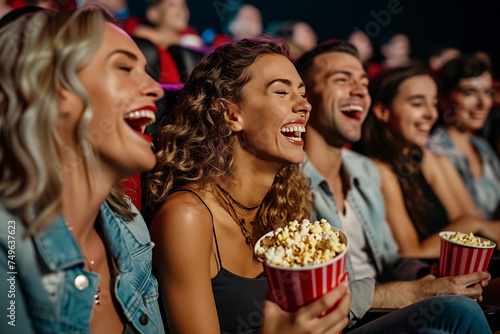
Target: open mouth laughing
{"points": [[352, 111], [293, 132], [139, 119]]}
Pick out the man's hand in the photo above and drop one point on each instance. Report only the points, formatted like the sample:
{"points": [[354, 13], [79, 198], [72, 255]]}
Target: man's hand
{"points": [[470, 285], [401, 294]]}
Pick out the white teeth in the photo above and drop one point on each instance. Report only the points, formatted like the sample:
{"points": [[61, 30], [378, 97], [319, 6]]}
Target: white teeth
{"points": [[141, 114], [424, 127], [352, 107], [293, 128]]}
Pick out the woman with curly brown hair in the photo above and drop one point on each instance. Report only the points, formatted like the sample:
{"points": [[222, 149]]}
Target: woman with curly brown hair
{"points": [[226, 174]]}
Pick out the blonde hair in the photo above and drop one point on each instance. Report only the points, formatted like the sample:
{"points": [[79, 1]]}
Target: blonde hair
{"points": [[196, 144], [39, 53]]}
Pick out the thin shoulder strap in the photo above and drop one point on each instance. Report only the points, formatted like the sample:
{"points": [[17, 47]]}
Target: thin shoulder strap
{"points": [[213, 226]]}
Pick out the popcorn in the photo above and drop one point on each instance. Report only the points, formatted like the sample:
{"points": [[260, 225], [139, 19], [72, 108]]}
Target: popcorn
{"points": [[469, 240], [462, 254], [301, 244]]}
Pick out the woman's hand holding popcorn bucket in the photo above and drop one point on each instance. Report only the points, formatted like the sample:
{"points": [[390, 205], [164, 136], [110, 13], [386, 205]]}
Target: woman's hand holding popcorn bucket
{"points": [[303, 261]]}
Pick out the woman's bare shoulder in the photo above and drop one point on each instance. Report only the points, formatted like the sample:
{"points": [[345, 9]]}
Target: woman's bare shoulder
{"points": [[389, 180], [434, 166], [384, 169], [183, 211]]}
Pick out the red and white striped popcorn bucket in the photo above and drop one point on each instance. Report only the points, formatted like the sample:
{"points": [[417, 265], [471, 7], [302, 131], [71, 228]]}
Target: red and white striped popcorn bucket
{"points": [[294, 287], [458, 259]]}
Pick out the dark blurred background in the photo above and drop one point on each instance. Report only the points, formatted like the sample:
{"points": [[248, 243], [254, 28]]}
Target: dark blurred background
{"points": [[465, 24]]}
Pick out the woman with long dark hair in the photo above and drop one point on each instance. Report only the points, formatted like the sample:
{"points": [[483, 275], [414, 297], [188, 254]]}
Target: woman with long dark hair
{"points": [[465, 100], [421, 199]]}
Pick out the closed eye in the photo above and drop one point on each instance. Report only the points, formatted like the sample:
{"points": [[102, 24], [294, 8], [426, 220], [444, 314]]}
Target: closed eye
{"points": [[282, 92], [125, 68]]}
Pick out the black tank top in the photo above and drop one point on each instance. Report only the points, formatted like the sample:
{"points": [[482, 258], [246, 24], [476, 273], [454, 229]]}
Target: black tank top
{"points": [[435, 217], [239, 300]]}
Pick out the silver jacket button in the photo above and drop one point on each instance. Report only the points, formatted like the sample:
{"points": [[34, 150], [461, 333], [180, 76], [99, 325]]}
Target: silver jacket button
{"points": [[81, 282]]}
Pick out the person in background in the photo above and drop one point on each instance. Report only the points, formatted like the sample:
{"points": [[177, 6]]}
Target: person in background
{"points": [[362, 44], [299, 35], [465, 100], [164, 23], [395, 48], [489, 130], [347, 192], [167, 23], [246, 23], [80, 251], [441, 56], [241, 21], [304, 36], [423, 192], [365, 49], [227, 173]]}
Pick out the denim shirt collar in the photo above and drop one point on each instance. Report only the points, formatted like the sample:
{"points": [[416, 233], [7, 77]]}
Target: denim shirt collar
{"points": [[59, 250], [440, 140], [440, 136], [367, 201], [441, 144], [317, 180]]}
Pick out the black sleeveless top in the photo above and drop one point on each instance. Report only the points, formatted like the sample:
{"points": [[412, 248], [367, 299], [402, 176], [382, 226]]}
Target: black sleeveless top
{"points": [[435, 217], [239, 300]]}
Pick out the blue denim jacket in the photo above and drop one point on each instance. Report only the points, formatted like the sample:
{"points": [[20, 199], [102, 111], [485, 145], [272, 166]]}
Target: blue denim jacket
{"points": [[441, 144], [40, 279], [368, 203]]}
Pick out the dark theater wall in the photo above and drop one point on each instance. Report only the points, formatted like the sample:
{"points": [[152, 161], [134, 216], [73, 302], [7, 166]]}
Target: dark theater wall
{"points": [[466, 24]]}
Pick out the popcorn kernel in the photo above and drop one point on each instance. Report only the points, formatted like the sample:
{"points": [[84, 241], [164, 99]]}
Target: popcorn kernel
{"points": [[301, 244], [469, 239]]}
